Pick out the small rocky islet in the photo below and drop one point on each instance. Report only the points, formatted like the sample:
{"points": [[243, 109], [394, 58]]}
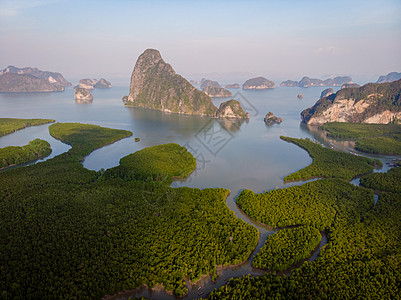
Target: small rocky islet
{"points": [[258, 83], [82, 90], [231, 109], [82, 94], [232, 86], [271, 119], [90, 84]]}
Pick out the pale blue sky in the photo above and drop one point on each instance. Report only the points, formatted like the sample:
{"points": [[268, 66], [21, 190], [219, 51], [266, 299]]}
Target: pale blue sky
{"points": [[275, 39]]}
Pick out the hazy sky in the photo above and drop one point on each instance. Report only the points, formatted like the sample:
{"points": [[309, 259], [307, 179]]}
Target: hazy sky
{"points": [[276, 39]]}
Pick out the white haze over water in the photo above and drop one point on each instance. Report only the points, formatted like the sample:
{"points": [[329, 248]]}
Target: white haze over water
{"points": [[276, 39]]}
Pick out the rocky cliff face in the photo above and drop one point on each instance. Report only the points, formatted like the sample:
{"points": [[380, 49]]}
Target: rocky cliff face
{"points": [[231, 109], [258, 83], [51, 77], [155, 85], [82, 94], [213, 91], [24, 83], [371, 103]]}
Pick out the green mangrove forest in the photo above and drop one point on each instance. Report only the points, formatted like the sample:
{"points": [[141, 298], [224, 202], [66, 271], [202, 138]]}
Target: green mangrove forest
{"points": [[10, 125], [369, 138], [15, 155], [328, 163], [68, 232], [286, 248]]}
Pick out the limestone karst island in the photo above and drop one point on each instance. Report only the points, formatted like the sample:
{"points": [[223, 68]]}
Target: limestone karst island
{"points": [[155, 85]]}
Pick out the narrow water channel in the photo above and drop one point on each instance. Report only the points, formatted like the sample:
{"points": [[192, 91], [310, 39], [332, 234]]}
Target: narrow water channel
{"points": [[205, 285]]}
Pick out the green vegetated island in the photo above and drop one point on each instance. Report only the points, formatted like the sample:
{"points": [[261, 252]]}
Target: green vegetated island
{"points": [[369, 138], [329, 163], [15, 155], [389, 182], [10, 125], [158, 163], [287, 248], [69, 232]]}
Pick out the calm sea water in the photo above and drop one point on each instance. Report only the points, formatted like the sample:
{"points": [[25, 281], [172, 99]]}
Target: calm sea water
{"points": [[233, 154]]}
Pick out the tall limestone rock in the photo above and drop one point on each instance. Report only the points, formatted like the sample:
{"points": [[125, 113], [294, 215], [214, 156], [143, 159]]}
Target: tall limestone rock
{"points": [[155, 85], [378, 103]]}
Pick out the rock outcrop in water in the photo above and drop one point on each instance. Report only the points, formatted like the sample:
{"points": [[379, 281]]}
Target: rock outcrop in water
{"points": [[372, 103], [213, 91], [13, 79], [271, 119], [308, 82], [82, 94], [231, 109], [258, 83], [102, 84], [87, 84], [393, 76], [90, 84], [155, 85], [232, 86]]}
